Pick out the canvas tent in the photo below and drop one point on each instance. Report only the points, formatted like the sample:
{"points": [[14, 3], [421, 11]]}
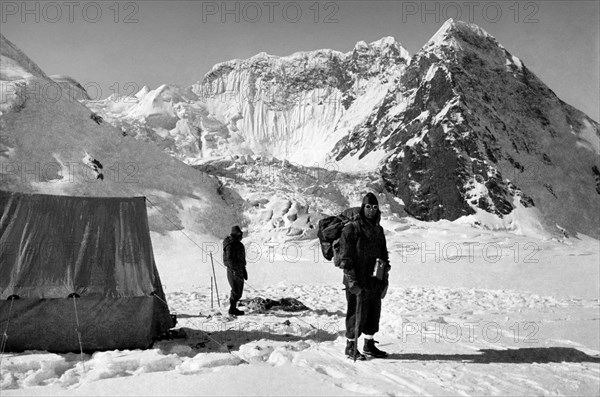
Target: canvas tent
{"points": [[82, 269]]}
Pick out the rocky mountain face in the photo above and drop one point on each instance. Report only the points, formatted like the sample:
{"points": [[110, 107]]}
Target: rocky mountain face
{"points": [[470, 128], [460, 128]]}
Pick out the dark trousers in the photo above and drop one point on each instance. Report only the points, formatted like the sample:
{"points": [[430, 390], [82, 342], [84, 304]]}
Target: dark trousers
{"points": [[368, 314], [237, 286]]}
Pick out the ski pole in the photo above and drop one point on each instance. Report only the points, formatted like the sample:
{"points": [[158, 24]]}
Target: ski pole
{"points": [[212, 305], [215, 277], [357, 323]]}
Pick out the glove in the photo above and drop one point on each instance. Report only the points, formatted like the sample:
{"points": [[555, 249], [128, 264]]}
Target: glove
{"points": [[245, 274], [355, 289], [350, 279]]}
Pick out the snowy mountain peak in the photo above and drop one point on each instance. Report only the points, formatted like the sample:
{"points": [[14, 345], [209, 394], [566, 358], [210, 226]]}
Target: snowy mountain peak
{"points": [[262, 55], [145, 89], [384, 45], [451, 29], [384, 42], [361, 45]]}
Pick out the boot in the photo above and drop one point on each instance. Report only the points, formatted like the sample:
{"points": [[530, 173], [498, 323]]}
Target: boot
{"points": [[351, 351], [234, 311], [371, 350]]}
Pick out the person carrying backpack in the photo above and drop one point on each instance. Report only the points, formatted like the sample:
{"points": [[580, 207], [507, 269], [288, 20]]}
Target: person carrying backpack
{"points": [[364, 259], [234, 257]]}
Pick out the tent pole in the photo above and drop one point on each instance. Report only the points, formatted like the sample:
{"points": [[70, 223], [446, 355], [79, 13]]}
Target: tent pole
{"points": [[214, 275]]}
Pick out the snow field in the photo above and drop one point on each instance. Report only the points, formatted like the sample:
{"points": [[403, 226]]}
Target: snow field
{"points": [[419, 328]]}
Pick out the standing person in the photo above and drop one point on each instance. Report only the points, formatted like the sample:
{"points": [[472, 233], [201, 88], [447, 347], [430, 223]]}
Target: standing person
{"points": [[234, 257], [362, 244]]}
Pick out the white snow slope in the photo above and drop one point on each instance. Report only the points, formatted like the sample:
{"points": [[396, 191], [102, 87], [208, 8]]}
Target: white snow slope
{"points": [[48, 137]]}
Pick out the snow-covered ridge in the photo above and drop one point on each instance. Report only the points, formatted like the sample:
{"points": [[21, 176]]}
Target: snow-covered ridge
{"points": [[380, 45], [70, 86], [15, 63]]}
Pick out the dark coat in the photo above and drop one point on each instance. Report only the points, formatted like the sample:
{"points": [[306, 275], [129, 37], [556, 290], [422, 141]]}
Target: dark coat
{"points": [[234, 255], [361, 243]]}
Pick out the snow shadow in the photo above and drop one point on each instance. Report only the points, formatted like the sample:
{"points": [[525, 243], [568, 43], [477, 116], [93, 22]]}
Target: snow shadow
{"points": [[325, 312], [510, 356], [183, 315], [231, 337]]}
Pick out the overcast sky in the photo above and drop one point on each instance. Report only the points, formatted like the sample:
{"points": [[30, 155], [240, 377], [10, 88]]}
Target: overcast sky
{"points": [[121, 46]]}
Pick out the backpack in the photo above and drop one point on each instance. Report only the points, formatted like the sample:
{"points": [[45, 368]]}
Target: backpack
{"points": [[330, 230]]}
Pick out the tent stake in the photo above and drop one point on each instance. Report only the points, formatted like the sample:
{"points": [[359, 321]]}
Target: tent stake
{"points": [[216, 286]]}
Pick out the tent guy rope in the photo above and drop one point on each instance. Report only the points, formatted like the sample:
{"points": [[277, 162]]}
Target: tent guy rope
{"points": [[5, 334]]}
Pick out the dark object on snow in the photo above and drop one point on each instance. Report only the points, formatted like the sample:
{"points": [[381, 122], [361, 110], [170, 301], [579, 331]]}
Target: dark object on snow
{"points": [[99, 249], [97, 118], [330, 231], [94, 165], [262, 305], [97, 164]]}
